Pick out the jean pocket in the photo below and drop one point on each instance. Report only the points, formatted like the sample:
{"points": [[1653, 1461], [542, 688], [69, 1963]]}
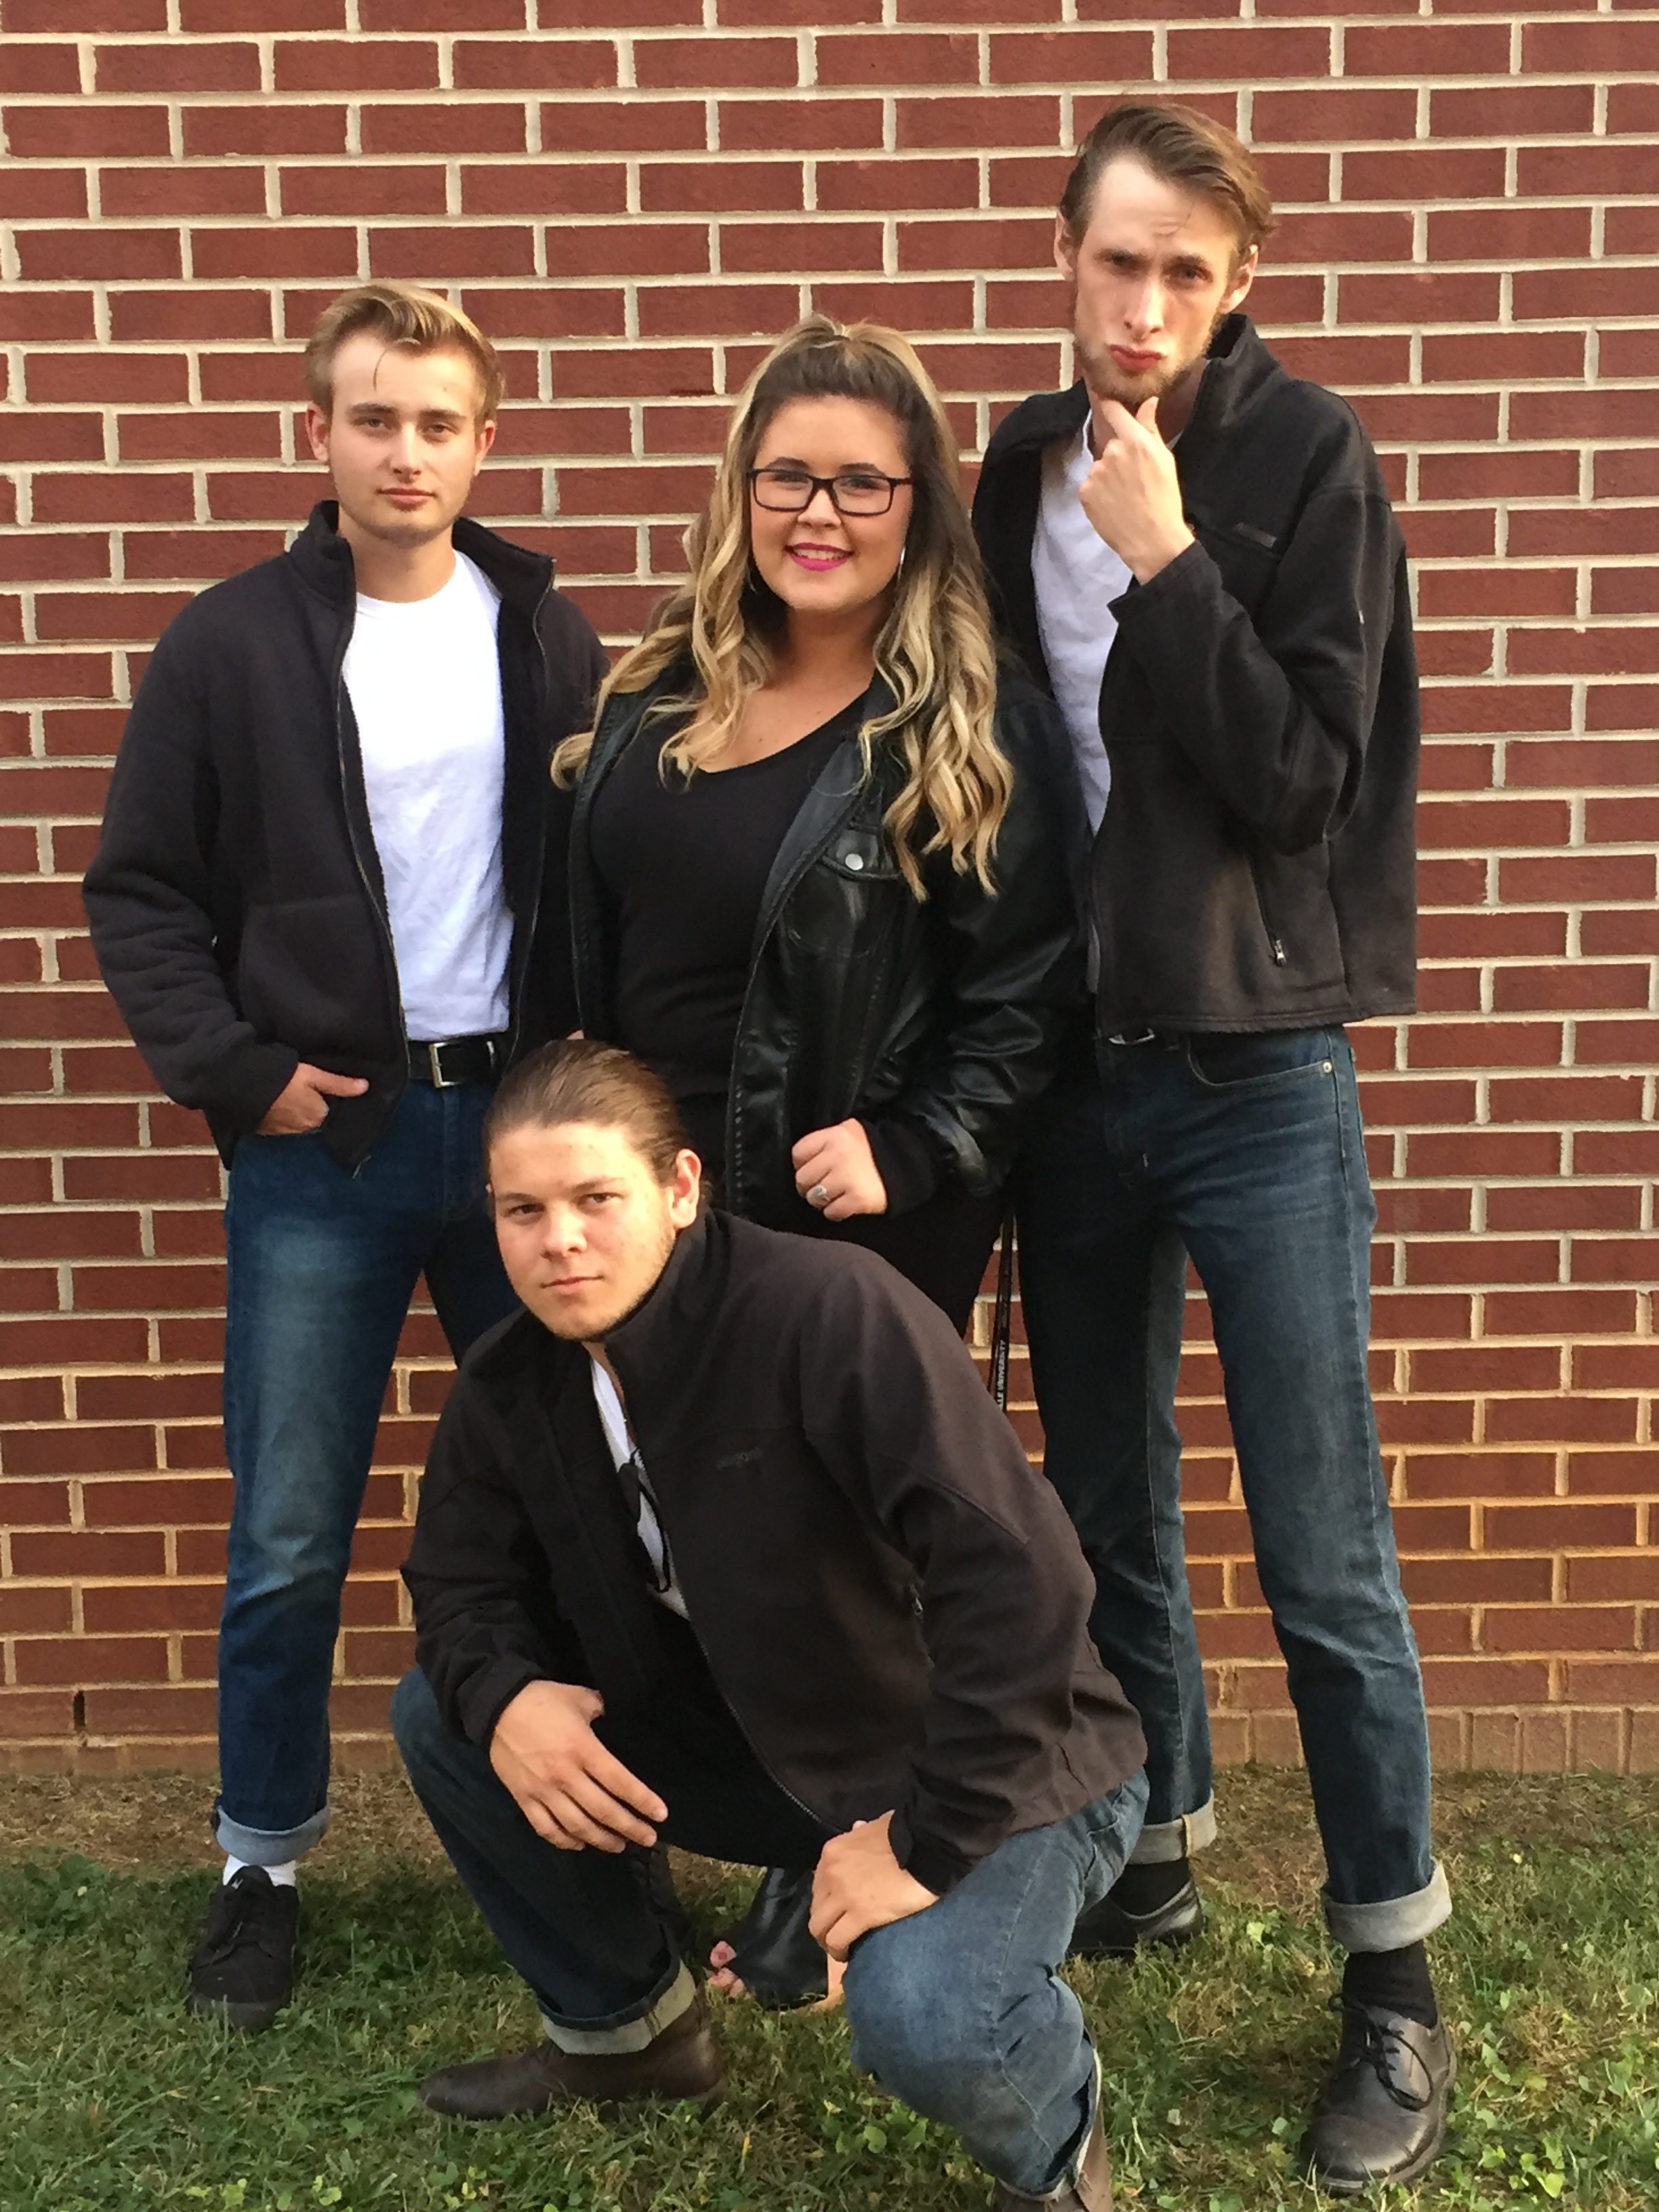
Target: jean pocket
{"points": [[1233, 1062]]}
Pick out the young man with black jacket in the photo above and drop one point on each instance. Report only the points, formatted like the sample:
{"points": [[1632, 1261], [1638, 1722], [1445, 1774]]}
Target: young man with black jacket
{"points": [[1193, 550], [327, 903], [723, 1543]]}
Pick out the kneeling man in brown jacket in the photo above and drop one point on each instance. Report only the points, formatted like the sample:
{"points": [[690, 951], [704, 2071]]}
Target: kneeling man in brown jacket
{"points": [[723, 1544]]}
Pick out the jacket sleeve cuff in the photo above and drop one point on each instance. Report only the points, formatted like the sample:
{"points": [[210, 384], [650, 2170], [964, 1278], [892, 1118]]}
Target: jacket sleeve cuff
{"points": [[934, 1864], [487, 1696], [906, 1159], [249, 1083]]}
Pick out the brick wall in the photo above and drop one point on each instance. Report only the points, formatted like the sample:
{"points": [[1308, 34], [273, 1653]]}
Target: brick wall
{"points": [[632, 195]]}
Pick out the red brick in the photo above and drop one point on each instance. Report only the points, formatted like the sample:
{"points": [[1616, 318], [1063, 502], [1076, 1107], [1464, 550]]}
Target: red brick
{"points": [[1343, 234], [1423, 174], [1604, 414], [978, 120], [1066, 58], [355, 64], [178, 65], [1557, 1628], [1345, 113], [451, 250], [680, 65], [1515, 111], [1427, 50], [541, 188], [289, 251], [92, 131], [1249, 54], [210, 15], [1553, 1313], [466, 127], [974, 242], [34, 194], [445, 14], [87, 1659], [1601, 44], [261, 129], [1608, 1473]]}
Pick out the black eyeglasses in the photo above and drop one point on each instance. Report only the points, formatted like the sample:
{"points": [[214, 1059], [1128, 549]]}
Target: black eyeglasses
{"points": [[854, 491]]}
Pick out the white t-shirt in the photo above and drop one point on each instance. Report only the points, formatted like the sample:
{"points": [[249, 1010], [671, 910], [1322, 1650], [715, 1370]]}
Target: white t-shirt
{"points": [[1076, 576], [615, 1420], [426, 691]]}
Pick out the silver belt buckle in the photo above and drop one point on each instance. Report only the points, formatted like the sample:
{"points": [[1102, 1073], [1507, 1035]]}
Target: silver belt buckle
{"points": [[1134, 1037], [433, 1060]]}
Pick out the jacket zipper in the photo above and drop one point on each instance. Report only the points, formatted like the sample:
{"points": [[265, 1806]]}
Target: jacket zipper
{"points": [[1275, 944], [516, 1017], [380, 914]]}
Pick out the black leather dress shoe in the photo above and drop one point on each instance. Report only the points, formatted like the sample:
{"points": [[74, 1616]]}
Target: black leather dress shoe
{"points": [[1110, 1930], [778, 1959], [1382, 2113]]}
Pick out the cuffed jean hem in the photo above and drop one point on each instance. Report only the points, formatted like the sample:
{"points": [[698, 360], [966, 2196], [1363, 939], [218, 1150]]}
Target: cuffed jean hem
{"points": [[1393, 1923], [636, 2029], [267, 1847], [1162, 1842]]}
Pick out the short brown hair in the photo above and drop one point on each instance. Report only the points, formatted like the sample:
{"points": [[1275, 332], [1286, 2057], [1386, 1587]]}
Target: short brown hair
{"points": [[1183, 146], [582, 1080], [404, 315]]}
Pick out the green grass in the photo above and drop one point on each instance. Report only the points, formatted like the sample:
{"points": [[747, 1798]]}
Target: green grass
{"points": [[111, 2098]]}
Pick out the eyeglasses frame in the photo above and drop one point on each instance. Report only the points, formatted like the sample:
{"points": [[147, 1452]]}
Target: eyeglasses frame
{"points": [[829, 483]]}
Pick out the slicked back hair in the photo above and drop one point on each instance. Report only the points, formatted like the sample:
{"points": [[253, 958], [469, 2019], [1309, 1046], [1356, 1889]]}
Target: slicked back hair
{"points": [[1181, 146], [582, 1080], [409, 317]]}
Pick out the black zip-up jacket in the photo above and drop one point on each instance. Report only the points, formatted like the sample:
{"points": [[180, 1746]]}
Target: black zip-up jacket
{"points": [[237, 908], [891, 1600], [937, 1020], [1255, 867]]}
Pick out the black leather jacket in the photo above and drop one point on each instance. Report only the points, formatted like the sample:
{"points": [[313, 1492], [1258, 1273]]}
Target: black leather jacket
{"points": [[943, 1014]]}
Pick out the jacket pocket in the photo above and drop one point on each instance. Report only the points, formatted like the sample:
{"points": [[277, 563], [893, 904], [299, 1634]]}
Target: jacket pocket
{"points": [[311, 972]]}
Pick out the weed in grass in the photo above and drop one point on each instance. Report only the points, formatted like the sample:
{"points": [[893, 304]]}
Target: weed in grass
{"points": [[112, 2100]]}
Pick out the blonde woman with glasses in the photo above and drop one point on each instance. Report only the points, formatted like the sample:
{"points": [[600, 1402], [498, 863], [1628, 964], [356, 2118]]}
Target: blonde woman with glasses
{"points": [[820, 875]]}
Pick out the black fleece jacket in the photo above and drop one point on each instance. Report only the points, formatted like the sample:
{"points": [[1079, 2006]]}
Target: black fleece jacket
{"points": [[1255, 867], [237, 908], [891, 1600]]}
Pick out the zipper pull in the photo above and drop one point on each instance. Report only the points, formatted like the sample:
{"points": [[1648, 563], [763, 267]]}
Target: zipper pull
{"points": [[1277, 946]]}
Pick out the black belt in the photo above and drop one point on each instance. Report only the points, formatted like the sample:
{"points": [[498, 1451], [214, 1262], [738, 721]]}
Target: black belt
{"points": [[446, 1062]]}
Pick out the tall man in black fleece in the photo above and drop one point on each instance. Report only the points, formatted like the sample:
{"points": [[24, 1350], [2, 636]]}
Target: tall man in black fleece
{"points": [[328, 904], [1193, 550], [722, 1542]]}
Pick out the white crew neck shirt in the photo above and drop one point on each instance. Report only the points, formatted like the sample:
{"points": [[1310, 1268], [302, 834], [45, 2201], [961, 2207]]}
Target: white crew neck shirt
{"points": [[425, 685], [615, 1422], [1076, 576]]}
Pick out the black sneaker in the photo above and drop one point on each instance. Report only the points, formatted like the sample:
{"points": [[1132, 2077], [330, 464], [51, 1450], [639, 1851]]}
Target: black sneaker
{"points": [[242, 1970], [1110, 1930]]}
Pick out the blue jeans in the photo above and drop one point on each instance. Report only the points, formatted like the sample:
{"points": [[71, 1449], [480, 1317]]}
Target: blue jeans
{"points": [[959, 2010], [322, 1265], [1245, 1153]]}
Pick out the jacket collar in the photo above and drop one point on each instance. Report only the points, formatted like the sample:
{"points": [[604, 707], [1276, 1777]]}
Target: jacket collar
{"points": [[323, 559], [688, 1287], [1236, 368]]}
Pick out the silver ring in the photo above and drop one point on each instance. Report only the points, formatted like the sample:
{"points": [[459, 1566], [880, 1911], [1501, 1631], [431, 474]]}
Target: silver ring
{"points": [[819, 1195]]}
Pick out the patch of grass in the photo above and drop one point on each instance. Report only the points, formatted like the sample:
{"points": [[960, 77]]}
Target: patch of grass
{"points": [[111, 2098]]}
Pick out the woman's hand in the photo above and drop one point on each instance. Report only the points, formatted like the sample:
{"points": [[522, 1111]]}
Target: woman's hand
{"points": [[836, 1171]]}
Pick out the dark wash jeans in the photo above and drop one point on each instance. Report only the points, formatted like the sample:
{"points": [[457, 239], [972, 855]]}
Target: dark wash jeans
{"points": [[960, 2010], [323, 1264], [1246, 1152]]}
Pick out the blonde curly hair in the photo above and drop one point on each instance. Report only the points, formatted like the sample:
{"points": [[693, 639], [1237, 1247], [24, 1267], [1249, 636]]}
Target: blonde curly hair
{"points": [[934, 650]]}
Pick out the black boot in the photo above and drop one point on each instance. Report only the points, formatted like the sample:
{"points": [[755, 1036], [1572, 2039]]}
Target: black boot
{"points": [[778, 1959], [1145, 1905]]}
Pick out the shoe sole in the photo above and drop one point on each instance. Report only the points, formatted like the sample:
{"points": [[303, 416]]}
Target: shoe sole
{"points": [[606, 2107], [1175, 1939], [1417, 2167], [247, 2019]]}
